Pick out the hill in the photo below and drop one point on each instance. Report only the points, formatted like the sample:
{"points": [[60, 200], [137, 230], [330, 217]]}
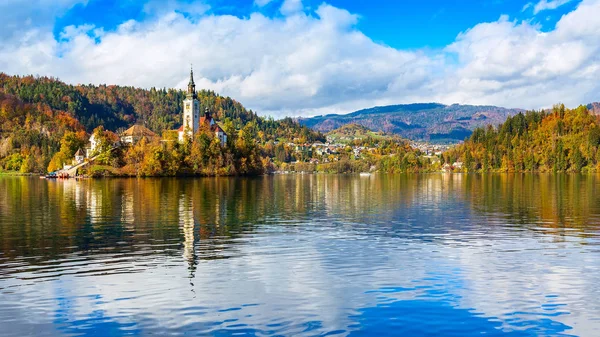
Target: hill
{"points": [[556, 140], [40, 116], [594, 108], [420, 121], [349, 133], [118, 107]]}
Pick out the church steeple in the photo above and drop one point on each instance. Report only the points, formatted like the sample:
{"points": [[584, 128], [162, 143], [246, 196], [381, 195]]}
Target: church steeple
{"points": [[191, 85]]}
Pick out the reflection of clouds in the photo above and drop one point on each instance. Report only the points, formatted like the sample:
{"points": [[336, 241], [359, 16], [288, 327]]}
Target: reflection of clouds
{"points": [[294, 276], [307, 249], [530, 280]]}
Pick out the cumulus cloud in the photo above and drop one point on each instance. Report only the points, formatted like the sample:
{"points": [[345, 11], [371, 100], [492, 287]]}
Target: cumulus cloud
{"points": [[291, 7], [17, 16], [543, 5], [508, 61], [310, 62]]}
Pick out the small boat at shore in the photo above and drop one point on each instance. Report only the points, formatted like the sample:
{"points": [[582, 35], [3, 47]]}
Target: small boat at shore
{"points": [[365, 174], [51, 175]]}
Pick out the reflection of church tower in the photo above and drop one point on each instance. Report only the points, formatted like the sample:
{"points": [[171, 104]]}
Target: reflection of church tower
{"points": [[186, 222]]}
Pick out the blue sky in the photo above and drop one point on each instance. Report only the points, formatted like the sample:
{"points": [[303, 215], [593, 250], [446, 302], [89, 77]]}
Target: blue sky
{"points": [[308, 57], [399, 24]]}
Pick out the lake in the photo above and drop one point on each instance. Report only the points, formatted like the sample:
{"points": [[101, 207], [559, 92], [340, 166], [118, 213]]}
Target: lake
{"points": [[301, 255]]}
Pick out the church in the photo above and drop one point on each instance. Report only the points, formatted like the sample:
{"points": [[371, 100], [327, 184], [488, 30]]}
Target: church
{"points": [[192, 121]]}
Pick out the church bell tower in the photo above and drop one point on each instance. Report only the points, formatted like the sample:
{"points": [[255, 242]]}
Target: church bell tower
{"points": [[191, 108]]}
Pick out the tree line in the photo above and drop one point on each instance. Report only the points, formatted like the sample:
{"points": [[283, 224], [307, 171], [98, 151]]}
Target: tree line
{"points": [[557, 140], [44, 121]]}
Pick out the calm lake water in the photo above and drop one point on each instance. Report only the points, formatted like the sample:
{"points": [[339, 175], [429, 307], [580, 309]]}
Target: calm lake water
{"points": [[312, 255]]}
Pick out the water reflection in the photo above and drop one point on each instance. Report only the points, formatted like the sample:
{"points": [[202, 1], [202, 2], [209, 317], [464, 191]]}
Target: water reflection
{"points": [[302, 255]]}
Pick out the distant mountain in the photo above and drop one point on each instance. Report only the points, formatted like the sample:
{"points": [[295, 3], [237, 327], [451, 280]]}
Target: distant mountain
{"points": [[421, 121], [594, 108]]}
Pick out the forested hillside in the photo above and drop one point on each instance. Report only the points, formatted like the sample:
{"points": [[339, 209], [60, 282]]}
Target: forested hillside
{"points": [[117, 107], [37, 112], [30, 133], [560, 140]]}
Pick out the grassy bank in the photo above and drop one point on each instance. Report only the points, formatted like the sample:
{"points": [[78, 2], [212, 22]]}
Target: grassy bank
{"points": [[16, 173]]}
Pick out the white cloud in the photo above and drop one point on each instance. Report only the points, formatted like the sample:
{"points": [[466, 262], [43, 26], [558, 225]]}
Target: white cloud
{"points": [[543, 5], [17, 16], [509, 62], [262, 3], [291, 7], [313, 62], [162, 7]]}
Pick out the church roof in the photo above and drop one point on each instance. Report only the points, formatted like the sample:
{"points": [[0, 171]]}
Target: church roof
{"points": [[139, 131], [79, 153], [205, 119]]}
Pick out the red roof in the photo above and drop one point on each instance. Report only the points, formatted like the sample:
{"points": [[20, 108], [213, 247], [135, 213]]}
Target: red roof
{"points": [[203, 120], [215, 127]]}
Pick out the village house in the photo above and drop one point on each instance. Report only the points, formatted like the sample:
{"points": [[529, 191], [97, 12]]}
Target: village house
{"points": [[135, 133], [79, 156], [92, 146], [96, 142], [357, 151]]}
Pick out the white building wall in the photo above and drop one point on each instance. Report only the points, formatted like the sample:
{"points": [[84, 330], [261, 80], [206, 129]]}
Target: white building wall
{"points": [[222, 137], [191, 115]]}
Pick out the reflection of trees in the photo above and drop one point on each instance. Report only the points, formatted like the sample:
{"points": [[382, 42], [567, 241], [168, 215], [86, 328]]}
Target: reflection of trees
{"points": [[48, 219], [537, 200], [207, 217]]}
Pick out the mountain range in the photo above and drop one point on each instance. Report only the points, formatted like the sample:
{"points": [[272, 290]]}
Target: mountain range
{"points": [[419, 121], [432, 122]]}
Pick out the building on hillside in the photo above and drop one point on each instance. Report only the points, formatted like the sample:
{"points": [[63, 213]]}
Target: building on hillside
{"points": [[191, 116], [79, 157], [92, 146], [135, 133], [95, 143]]}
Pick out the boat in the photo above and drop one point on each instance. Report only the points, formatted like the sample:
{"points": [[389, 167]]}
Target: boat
{"points": [[365, 174]]}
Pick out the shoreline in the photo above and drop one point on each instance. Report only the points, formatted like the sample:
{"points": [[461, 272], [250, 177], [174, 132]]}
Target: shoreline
{"points": [[17, 174], [364, 174]]}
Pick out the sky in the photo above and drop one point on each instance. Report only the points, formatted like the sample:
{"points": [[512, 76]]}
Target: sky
{"points": [[309, 57]]}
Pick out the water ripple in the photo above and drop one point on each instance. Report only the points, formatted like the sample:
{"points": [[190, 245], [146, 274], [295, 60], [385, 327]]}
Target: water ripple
{"points": [[428, 255]]}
